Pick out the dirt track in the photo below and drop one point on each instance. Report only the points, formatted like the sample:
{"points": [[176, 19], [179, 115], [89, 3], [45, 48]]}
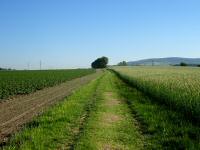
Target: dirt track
{"points": [[20, 110]]}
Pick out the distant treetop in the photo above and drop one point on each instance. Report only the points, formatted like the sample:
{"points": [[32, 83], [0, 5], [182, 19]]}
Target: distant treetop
{"points": [[123, 63], [5, 69], [100, 63]]}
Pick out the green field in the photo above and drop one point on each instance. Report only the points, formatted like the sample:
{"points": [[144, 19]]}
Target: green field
{"points": [[24, 82], [126, 108]]}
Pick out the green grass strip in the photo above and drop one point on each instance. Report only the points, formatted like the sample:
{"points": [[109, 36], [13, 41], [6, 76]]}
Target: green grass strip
{"points": [[111, 125]]}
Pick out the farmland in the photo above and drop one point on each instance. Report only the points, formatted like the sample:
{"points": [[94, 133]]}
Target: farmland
{"points": [[88, 119], [120, 108], [24, 82], [176, 87], [165, 101], [21, 109]]}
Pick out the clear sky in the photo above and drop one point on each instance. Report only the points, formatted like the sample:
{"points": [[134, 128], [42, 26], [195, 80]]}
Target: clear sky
{"points": [[72, 33]]}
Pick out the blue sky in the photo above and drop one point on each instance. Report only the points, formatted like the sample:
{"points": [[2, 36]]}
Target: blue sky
{"points": [[72, 33]]}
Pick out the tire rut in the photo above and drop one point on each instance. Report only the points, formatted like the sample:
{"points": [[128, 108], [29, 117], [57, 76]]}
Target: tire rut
{"points": [[84, 119]]}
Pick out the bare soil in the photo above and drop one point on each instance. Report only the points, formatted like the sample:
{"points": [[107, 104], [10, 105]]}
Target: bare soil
{"points": [[109, 118], [19, 110], [112, 101]]}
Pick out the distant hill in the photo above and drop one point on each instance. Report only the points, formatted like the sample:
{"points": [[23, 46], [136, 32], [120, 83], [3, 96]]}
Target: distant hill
{"points": [[166, 61]]}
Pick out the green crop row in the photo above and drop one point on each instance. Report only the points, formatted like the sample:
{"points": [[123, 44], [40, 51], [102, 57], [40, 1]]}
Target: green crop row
{"points": [[175, 87], [24, 82]]}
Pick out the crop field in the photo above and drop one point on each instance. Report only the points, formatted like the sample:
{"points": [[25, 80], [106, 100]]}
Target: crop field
{"points": [[170, 113], [24, 82], [126, 108], [176, 87]]}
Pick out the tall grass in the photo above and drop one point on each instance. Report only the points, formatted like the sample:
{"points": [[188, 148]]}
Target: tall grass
{"points": [[176, 87]]}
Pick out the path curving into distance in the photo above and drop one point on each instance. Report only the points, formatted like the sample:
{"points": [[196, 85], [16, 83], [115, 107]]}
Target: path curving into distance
{"points": [[107, 114], [111, 126]]}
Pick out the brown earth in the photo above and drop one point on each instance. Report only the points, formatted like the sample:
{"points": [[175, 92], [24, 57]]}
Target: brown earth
{"points": [[112, 101], [20, 110], [111, 147], [109, 118]]}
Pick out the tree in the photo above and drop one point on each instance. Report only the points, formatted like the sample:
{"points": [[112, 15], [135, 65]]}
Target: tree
{"points": [[123, 63], [183, 64], [100, 63]]}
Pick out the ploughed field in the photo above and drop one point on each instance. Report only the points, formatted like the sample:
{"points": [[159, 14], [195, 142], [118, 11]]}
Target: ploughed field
{"points": [[25, 82], [126, 108]]}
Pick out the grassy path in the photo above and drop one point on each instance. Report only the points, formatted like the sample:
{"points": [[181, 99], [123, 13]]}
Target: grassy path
{"points": [[111, 125]]}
